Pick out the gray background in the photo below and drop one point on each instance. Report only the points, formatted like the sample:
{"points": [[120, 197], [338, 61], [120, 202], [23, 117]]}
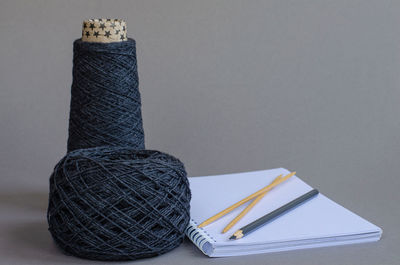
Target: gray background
{"points": [[227, 86]]}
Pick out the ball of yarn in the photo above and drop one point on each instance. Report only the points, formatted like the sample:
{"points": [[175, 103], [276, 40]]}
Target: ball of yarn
{"points": [[105, 100], [110, 203]]}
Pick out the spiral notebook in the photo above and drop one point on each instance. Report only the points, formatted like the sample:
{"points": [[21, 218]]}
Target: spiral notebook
{"points": [[317, 223]]}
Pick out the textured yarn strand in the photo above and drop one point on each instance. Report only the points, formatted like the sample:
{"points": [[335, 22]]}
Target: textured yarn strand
{"points": [[105, 99], [111, 203]]}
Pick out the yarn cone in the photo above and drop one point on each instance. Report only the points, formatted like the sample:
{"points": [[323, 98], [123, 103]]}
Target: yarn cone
{"points": [[105, 99]]}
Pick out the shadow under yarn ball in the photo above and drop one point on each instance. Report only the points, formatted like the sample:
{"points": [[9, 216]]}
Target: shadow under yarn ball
{"points": [[110, 203]]}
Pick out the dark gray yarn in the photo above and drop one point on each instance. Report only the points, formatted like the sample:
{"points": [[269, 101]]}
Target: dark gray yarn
{"points": [[110, 200], [105, 99], [112, 203]]}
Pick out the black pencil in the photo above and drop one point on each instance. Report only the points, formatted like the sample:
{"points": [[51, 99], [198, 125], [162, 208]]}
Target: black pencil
{"points": [[245, 230]]}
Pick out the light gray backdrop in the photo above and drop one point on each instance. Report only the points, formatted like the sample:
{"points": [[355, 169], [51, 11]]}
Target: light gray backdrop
{"points": [[227, 86]]}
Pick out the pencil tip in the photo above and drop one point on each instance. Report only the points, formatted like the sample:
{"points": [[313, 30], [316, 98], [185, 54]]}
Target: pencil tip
{"points": [[238, 234], [200, 225]]}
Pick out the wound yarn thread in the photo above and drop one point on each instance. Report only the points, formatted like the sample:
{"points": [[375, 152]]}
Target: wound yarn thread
{"points": [[112, 203], [110, 199], [105, 99]]}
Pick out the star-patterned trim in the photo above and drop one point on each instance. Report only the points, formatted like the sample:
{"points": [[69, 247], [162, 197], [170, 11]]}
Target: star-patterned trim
{"points": [[104, 30]]}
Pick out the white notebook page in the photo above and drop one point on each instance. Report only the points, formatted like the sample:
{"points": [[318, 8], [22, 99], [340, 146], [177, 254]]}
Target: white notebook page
{"points": [[317, 218]]}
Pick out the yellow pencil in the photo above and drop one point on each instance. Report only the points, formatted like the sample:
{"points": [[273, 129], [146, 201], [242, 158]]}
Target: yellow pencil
{"points": [[248, 198], [247, 209]]}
